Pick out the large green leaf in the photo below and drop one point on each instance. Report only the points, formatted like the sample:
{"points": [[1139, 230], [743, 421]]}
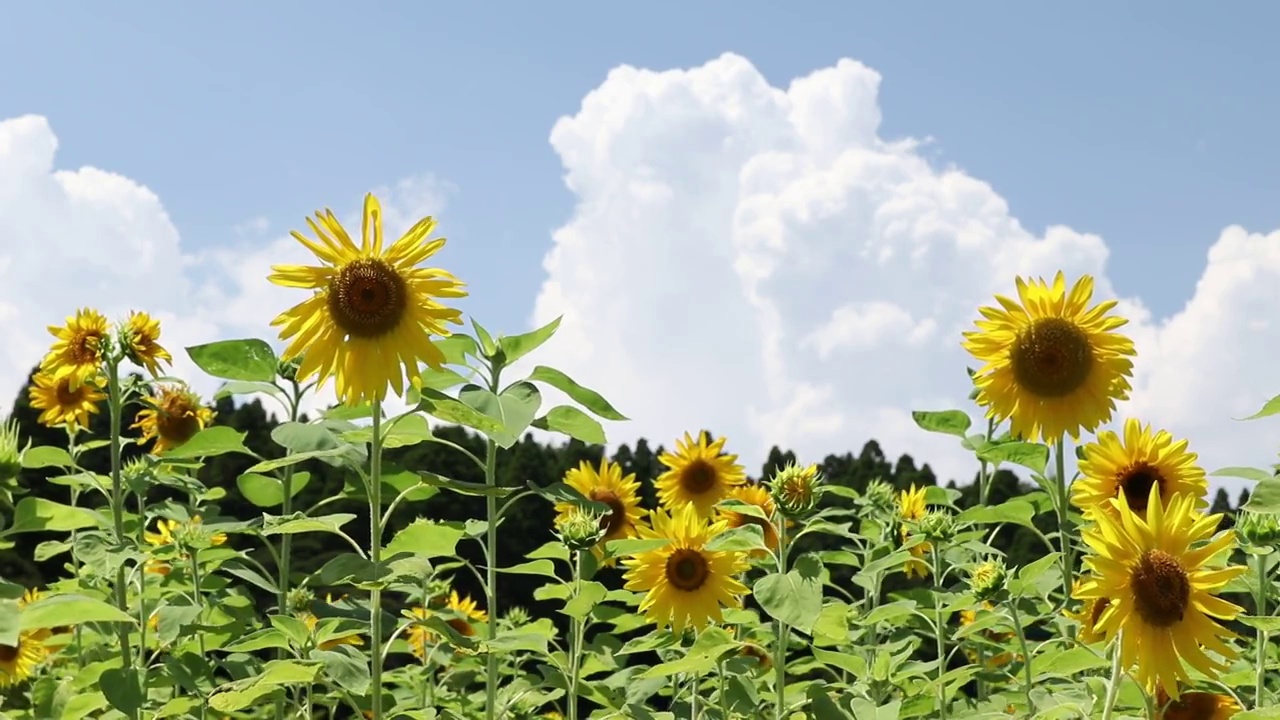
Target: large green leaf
{"points": [[34, 513], [1271, 408], [1265, 497], [248, 359], [590, 399], [211, 441], [43, 456], [1016, 511], [298, 524], [517, 346], [456, 348], [794, 598], [450, 410], [268, 492], [571, 421], [514, 409], [426, 539], [950, 422], [1029, 455], [61, 610]]}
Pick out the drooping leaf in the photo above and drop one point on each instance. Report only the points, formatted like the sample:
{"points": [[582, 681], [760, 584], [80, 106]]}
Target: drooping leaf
{"points": [[1029, 455], [590, 399], [569, 420], [248, 359], [514, 409], [35, 513], [60, 610], [211, 441]]}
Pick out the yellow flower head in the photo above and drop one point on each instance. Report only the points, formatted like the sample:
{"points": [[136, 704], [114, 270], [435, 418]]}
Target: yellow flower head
{"points": [[419, 636], [1157, 574], [969, 617], [607, 485], [19, 662], [173, 416], [699, 474], [759, 496], [311, 621], [1088, 615], [373, 312], [1195, 706], [1132, 465], [77, 349], [685, 583], [1053, 364], [59, 404], [912, 508], [141, 339]]}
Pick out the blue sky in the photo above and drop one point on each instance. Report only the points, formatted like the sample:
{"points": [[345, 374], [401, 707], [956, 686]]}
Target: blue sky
{"points": [[1150, 124]]}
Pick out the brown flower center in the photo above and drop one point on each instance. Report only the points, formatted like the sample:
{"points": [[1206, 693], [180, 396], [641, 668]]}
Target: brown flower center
{"points": [[687, 569], [8, 654], [367, 298], [177, 418], [698, 477], [1191, 706], [462, 627], [612, 523], [1052, 358], [83, 347], [1099, 606], [66, 396], [1161, 589], [1136, 482]]}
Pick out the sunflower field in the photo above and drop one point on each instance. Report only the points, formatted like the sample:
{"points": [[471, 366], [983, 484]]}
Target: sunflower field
{"points": [[723, 597]]}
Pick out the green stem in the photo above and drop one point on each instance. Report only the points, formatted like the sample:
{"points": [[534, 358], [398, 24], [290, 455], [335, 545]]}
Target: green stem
{"points": [[286, 545], [1113, 684], [575, 641], [1064, 519], [720, 699], [783, 631], [375, 556], [1026, 654], [199, 601], [115, 407], [984, 479], [491, 578], [936, 553], [1260, 601], [693, 697]]}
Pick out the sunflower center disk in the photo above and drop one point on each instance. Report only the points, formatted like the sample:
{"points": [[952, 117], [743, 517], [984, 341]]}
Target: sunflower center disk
{"points": [[1161, 589], [612, 522], [698, 477], [1099, 607], [1052, 358], [1136, 485], [367, 298], [177, 421], [687, 569], [84, 347], [8, 653], [68, 397]]}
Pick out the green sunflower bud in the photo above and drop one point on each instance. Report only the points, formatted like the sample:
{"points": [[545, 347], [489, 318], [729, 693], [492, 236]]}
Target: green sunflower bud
{"points": [[1258, 529], [881, 497], [938, 526], [288, 369], [579, 529], [795, 489], [10, 452], [987, 579], [299, 600]]}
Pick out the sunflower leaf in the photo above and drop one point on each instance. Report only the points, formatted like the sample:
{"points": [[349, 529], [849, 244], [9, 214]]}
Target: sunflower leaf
{"points": [[1265, 497], [456, 348], [34, 513], [1271, 408], [569, 420], [450, 410], [950, 422], [248, 359], [43, 456], [1029, 455], [211, 441], [59, 610], [794, 598], [517, 346], [487, 345], [590, 399], [426, 539], [1247, 473]]}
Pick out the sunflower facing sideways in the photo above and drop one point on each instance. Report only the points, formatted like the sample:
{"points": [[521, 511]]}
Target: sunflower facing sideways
{"points": [[758, 495], [1157, 576], [911, 508], [699, 474], [1053, 365], [1133, 465], [373, 311], [419, 636], [607, 485], [59, 404], [140, 337], [685, 584], [173, 416], [77, 354]]}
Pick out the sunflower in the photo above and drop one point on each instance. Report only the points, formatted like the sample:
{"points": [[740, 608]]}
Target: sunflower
{"points": [[1132, 466], [969, 617], [1088, 615], [311, 621], [607, 486], [173, 416], [1195, 706], [77, 349], [685, 583], [59, 404], [17, 663], [911, 508], [1053, 364], [464, 606], [1160, 588], [758, 495], [699, 473], [373, 313], [141, 339]]}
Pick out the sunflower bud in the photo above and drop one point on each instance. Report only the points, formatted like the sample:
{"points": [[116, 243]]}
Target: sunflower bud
{"points": [[881, 497], [299, 600], [193, 534], [579, 529], [517, 617], [1258, 529], [795, 489], [986, 579], [288, 369], [938, 526], [10, 452]]}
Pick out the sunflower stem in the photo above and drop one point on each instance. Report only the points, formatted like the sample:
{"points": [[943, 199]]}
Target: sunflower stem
{"points": [[780, 643], [1260, 601], [575, 642], [375, 555], [286, 541], [115, 406], [1113, 684], [491, 576], [198, 597], [1064, 519], [940, 627], [1026, 654]]}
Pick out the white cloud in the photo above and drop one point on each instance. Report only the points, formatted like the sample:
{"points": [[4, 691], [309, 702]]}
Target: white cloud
{"points": [[760, 261], [87, 237]]}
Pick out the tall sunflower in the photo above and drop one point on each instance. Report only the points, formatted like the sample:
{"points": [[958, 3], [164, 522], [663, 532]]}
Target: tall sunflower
{"points": [[467, 610], [758, 495], [699, 474], [1053, 364], [77, 348], [607, 485], [59, 404], [373, 312], [1133, 465], [172, 416], [1157, 574], [911, 508], [685, 583], [141, 339]]}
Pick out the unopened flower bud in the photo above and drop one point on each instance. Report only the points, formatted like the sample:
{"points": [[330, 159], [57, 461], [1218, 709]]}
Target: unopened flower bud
{"points": [[987, 579], [938, 526], [517, 617], [1258, 529], [288, 369], [299, 600], [881, 497], [795, 489], [10, 452], [579, 529]]}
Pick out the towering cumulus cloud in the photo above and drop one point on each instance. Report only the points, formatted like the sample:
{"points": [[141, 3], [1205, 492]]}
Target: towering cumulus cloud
{"points": [[760, 261]]}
